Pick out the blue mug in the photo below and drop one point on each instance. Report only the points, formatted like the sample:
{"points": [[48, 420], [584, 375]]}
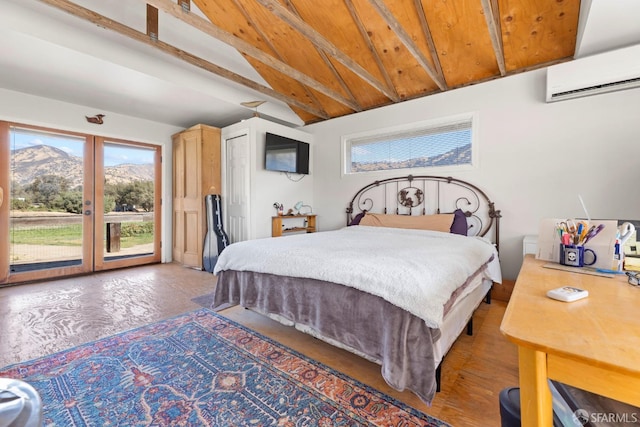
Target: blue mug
{"points": [[574, 255]]}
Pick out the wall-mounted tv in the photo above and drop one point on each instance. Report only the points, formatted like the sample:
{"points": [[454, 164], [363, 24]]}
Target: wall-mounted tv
{"points": [[284, 154]]}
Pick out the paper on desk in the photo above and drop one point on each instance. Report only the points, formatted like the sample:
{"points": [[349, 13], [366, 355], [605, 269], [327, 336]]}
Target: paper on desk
{"points": [[549, 239], [602, 244]]}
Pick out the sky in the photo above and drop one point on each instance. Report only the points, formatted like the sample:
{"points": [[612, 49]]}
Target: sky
{"points": [[115, 154]]}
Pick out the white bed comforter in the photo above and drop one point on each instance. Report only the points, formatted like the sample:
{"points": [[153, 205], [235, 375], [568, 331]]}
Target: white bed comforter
{"points": [[413, 269]]}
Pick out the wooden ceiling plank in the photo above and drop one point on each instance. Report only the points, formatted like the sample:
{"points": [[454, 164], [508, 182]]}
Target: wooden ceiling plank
{"points": [[488, 8], [460, 32], [408, 42], [325, 45], [367, 39], [334, 22], [228, 16], [409, 78], [537, 31], [427, 34], [330, 65], [284, 43], [242, 46], [127, 31], [357, 107], [256, 26], [152, 22]]}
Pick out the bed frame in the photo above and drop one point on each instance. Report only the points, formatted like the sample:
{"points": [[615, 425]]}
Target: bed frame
{"points": [[408, 195], [427, 195]]}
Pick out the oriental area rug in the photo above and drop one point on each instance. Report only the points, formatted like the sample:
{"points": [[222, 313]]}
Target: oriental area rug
{"points": [[201, 369]]}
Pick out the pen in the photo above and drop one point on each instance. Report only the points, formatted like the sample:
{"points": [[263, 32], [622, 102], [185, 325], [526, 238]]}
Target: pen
{"points": [[593, 232], [578, 237]]}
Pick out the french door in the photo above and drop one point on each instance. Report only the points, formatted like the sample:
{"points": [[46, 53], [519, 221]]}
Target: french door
{"points": [[72, 203]]}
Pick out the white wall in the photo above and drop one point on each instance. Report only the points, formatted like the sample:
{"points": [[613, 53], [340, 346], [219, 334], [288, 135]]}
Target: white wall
{"points": [[32, 110], [268, 187], [535, 158]]}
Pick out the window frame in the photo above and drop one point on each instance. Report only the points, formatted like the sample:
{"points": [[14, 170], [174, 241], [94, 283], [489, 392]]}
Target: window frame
{"points": [[394, 131]]}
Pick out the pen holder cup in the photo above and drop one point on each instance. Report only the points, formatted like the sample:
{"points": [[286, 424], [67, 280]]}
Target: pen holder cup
{"points": [[576, 256]]}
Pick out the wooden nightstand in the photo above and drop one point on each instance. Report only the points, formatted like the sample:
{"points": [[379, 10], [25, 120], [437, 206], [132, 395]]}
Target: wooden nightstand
{"points": [[278, 226]]}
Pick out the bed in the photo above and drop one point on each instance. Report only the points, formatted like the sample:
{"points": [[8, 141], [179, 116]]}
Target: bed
{"points": [[397, 285]]}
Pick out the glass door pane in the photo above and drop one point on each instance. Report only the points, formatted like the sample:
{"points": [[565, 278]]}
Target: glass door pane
{"points": [[50, 203], [130, 194]]}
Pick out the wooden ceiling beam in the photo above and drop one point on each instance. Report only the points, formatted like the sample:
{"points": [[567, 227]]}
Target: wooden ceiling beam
{"points": [[367, 39], [325, 45], [185, 5], [152, 22], [124, 30], [242, 46], [404, 37], [490, 11], [427, 35]]}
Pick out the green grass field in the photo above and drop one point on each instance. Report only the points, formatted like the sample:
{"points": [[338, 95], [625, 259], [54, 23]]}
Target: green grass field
{"points": [[71, 235]]}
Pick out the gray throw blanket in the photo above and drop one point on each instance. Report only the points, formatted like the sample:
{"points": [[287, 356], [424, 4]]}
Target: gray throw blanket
{"points": [[394, 338]]}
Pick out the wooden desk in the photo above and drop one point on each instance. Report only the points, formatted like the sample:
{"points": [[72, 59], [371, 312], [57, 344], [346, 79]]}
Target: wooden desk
{"points": [[592, 344]]}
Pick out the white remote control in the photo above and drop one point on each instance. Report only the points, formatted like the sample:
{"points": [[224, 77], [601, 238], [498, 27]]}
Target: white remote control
{"points": [[568, 293]]}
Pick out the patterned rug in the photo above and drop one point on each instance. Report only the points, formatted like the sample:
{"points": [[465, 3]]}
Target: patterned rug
{"points": [[200, 369]]}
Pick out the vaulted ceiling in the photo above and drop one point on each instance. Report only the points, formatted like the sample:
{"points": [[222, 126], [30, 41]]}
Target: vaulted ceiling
{"points": [[318, 58], [342, 56]]}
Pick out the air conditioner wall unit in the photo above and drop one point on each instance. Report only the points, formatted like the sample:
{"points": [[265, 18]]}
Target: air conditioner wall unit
{"points": [[607, 72]]}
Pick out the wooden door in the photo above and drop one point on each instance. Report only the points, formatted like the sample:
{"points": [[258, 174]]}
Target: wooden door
{"points": [[187, 203], [196, 173]]}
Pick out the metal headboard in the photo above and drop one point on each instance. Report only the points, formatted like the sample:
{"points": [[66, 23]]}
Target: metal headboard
{"points": [[427, 195]]}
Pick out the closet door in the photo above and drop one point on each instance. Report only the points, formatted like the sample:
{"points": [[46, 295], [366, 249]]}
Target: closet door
{"points": [[196, 173], [238, 186]]}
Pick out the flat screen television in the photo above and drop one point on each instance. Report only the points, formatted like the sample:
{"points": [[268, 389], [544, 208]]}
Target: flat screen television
{"points": [[284, 154]]}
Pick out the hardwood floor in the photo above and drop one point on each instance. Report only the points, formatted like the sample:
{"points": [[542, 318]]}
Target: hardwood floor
{"points": [[41, 318]]}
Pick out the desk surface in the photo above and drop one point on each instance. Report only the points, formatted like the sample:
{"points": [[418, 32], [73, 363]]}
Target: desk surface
{"points": [[602, 329]]}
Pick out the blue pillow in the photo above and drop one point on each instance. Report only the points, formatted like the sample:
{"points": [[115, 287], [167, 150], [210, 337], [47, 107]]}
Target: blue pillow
{"points": [[459, 225]]}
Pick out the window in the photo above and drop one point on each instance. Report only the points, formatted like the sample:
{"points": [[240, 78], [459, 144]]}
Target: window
{"points": [[442, 144]]}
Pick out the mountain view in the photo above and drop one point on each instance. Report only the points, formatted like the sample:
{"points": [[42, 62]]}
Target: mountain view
{"points": [[31, 162], [460, 155]]}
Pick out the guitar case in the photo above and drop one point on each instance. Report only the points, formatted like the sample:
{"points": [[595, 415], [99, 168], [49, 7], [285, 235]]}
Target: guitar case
{"points": [[215, 239]]}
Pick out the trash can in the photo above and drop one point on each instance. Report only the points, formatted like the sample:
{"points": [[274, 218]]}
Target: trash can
{"points": [[20, 404], [510, 409]]}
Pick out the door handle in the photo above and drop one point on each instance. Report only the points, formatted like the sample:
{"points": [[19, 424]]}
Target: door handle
{"points": [[1, 196]]}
